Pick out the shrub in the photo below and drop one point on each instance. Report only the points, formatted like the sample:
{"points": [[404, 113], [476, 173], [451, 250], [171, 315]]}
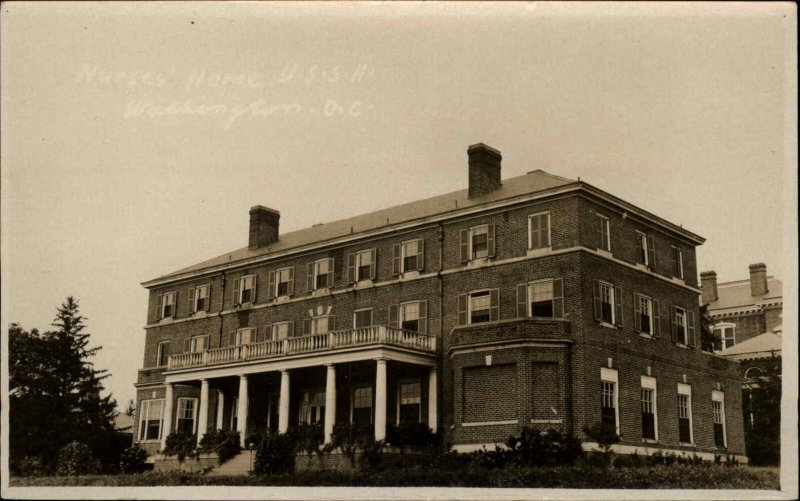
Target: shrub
{"points": [[181, 444], [544, 448], [371, 454], [27, 466], [224, 443], [348, 437], [132, 460], [498, 458], [275, 453], [605, 435], [629, 461], [309, 438], [412, 434], [75, 458]]}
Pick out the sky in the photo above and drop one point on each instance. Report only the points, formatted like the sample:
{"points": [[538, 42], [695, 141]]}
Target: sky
{"points": [[136, 138]]}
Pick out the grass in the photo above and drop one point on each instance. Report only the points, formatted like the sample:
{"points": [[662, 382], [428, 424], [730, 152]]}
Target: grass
{"points": [[578, 477]]}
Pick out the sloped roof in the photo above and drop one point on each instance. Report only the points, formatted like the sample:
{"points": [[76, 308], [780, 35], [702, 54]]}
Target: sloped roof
{"points": [[737, 294], [532, 182], [757, 347], [123, 422]]}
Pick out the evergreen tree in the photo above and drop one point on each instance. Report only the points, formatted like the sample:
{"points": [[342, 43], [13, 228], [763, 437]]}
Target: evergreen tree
{"points": [[709, 340], [761, 402]]}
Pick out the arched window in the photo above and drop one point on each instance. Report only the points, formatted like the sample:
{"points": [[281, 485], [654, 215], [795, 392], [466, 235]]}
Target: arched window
{"points": [[753, 373]]}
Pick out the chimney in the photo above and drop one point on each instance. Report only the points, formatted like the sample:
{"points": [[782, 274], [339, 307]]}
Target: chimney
{"points": [[758, 279], [484, 169], [708, 283], [263, 226]]}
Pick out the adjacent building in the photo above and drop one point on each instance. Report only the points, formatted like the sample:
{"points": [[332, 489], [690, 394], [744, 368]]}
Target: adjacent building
{"points": [[535, 301]]}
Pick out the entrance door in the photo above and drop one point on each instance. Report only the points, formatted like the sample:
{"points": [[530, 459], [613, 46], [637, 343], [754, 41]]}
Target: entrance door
{"points": [[312, 409]]}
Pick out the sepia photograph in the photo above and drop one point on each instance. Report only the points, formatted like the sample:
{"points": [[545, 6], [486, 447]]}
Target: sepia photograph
{"points": [[398, 250]]}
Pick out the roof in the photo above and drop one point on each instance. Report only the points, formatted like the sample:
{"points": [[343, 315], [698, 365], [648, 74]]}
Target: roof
{"points": [[737, 294], [123, 422], [758, 347]]}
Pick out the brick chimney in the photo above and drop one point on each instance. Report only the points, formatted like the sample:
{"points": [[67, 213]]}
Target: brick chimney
{"points": [[484, 169], [708, 283], [758, 279], [263, 226]]}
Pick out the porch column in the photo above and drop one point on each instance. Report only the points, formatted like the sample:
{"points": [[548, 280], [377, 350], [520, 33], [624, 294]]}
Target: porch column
{"points": [[202, 416], [241, 412], [220, 409], [283, 403], [167, 426], [330, 402], [433, 399], [380, 400]]}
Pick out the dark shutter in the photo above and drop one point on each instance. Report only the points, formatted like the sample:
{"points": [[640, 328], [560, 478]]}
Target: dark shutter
{"points": [[254, 295], [673, 324], [232, 338], [464, 245], [373, 268], [618, 306], [306, 326], [637, 313], [522, 300], [420, 254], [236, 284], [396, 259], [271, 289], [351, 268], [290, 330], [690, 322], [490, 240], [651, 252], [558, 298], [673, 261], [159, 306], [310, 277], [331, 270], [290, 286], [598, 301], [208, 298], [191, 300], [494, 312], [462, 309], [331, 323], [600, 232], [187, 345], [656, 318], [423, 317], [394, 315]]}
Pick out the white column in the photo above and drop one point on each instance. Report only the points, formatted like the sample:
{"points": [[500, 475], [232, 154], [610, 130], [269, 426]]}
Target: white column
{"points": [[433, 400], [166, 427], [202, 412], [241, 413], [220, 409], [380, 400], [283, 403], [330, 402]]}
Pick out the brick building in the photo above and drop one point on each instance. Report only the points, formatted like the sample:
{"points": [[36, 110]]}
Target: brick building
{"points": [[532, 301]]}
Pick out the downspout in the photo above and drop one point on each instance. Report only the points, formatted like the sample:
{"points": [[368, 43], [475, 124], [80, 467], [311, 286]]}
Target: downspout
{"points": [[222, 307], [441, 283]]}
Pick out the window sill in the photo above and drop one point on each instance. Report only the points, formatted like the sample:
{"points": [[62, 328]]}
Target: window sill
{"points": [[244, 306], [199, 314], [650, 441], [547, 421], [477, 262], [643, 266], [409, 275], [604, 252], [646, 335], [679, 280], [282, 299], [539, 251], [364, 284], [166, 320], [321, 292], [681, 345], [686, 444], [608, 325]]}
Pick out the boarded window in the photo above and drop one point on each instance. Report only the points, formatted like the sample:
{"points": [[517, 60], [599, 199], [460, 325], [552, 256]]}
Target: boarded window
{"points": [[547, 400], [490, 393]]}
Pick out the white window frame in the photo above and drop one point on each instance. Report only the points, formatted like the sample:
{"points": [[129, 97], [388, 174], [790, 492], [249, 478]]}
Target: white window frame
{"points": [[173, 296], [178, 413], [529, 292], [361, 310], [240, 335], [274, 330], [359, 257], [401, 312], [403, 253], [278, 281], [650, 383], [609, 375], [488, 293], [642, 238], [408, 381], [721, 328], [315, 324], [530, 230], [193, 343], [206, 288], [686, 390], [472, 231], [639, 297], [308, 404], [160, 352], [242, 281], [371, 403], [679, 310], [605, 222], [719, 396], [317, 266], [144, 409], [679, 261], [612, 299]]}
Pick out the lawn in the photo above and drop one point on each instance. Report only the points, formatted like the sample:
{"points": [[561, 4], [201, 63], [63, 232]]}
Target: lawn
{"points": [[674, 476]]}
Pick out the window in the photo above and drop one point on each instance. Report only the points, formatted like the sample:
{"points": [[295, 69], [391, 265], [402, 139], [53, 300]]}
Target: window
{"points": [[607, 303], [646, 247], [677, 262], [539, 230], [364, 266], [321, 325], [151, 412], [198, 344], [410, 316], [477, 242], [282, 330], [605, 232], [321, 274], [649, 419], [679, 326], [410, 402], [543, 298], [480, 307], [726, 333], [198, 298], [362, 318], [284, 282], [244, 336], [645, 310], [234, 413], [684, 413], [187, 408], [609, 413], [247, 289], [166, 305], [312, 407], [408, 256], [718, 403], [163, 353], [362, 405]]}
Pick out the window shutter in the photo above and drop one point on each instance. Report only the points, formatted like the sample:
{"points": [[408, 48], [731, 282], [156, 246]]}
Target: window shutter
{"points": [[271, 283], [656, 318], [673, 261], [673, 324], [637, 313], [690, 322], [494, 299], [396, 259], [420, 254], [373, 268], [558, 298], [254, 296], [651, 251], [208, 298], [232, 338], [331, 269], [191, 299], [187, 345], [600, 225], [522, 300], [290, 330], [159, 306], [464, 245], [306, 326], [236, 284], [533, 229], [490, 240], [462, 309], [351, 268], [618, 305], [394, 315], [598, 302], [331, 323], [310, 276], [423, 317], [290, 286]]}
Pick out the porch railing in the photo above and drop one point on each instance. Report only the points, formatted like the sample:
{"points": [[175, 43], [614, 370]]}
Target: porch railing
{"points": [[377, 334]]}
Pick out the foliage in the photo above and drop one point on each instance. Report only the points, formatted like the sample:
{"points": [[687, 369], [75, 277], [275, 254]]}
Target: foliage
{"points": [[132, 460], [309, 438], [709, 340], [130, 408], [224, 443], [763, 401], [544, 448], [371, 454], [349, 437], [275, 453], [76, 458], [54, 393], [181, 444], [605, 435], [27, 466], [412, 434]]}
